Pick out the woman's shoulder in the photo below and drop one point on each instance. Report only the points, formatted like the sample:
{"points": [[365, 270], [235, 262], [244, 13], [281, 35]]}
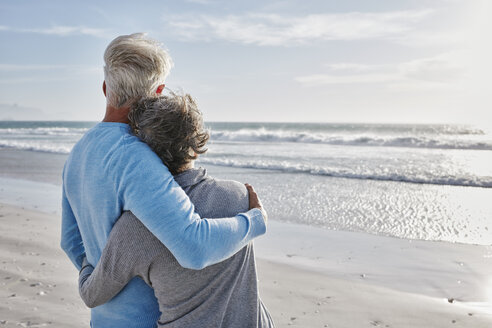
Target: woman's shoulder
{"points": [[220, 197], [227, 185]]}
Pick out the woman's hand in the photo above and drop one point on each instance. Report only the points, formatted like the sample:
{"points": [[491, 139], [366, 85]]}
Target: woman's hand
{"points": [[255, 202]]}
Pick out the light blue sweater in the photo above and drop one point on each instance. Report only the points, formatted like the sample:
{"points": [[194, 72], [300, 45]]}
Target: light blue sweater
{"points": [[108, 171]]}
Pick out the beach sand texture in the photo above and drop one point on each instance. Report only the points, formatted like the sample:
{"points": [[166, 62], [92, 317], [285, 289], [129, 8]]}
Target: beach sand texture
{"points": [[39, 284]]}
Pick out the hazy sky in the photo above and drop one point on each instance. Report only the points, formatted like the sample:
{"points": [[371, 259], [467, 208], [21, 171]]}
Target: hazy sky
{"points": [[296, 60]]}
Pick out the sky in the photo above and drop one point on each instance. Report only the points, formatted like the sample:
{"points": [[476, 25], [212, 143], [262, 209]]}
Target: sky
{"points": [[381, 61]]}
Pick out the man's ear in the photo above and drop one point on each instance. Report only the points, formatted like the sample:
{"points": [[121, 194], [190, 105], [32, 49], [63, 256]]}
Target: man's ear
{"points": [[160, 88], [104, 88]]}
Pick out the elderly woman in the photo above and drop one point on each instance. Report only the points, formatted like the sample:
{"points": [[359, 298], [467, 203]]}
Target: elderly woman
{"points": [[221, 295]]}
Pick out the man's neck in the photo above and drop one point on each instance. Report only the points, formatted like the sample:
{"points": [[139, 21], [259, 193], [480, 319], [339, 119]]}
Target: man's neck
{"points": [[119, 115]]}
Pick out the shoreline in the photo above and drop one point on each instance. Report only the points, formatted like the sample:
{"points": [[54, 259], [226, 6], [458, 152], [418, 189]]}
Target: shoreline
{"points": [[451, 270], [383, 208]]}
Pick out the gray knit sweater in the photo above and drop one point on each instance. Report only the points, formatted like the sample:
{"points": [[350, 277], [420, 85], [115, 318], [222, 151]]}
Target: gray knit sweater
{"points": [[221, 295]]}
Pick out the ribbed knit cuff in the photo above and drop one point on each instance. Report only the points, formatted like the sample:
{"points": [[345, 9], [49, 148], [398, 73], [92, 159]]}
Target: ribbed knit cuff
{"points": [[257, 225], [85, 264]]}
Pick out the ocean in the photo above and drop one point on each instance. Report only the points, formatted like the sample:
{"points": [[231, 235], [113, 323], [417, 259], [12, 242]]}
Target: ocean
{"points": [[431, 182]]}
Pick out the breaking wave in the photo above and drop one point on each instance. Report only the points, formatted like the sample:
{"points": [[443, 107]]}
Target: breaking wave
{"points": [[344, 173], [263, 135]]}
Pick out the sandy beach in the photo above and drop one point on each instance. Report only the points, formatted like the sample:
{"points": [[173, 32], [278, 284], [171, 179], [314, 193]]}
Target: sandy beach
{"points": [[309, 276], [303, 289]]}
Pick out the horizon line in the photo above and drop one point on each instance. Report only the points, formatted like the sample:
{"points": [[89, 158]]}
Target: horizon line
{"points": [[276, 122]]}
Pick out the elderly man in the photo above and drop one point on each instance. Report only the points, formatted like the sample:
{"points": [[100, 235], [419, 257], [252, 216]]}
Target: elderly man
{"points": [[109, 171]]}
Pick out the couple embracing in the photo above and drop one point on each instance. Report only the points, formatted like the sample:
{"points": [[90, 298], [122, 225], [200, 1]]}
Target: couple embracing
{"points": [[157, 241]]}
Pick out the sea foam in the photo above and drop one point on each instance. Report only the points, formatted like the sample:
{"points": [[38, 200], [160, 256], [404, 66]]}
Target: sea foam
{"points": [[425, 154], [423, 141], [283, 166]]}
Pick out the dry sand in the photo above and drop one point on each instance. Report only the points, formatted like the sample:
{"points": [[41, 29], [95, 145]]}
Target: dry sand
{"points": [[38, 288], [38, 282]]}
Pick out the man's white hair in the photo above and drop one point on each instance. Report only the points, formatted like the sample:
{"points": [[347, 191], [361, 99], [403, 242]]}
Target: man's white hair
{"points": [[134, 67]]}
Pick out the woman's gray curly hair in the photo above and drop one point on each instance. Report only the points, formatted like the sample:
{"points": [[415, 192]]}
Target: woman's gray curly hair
{"points": [[172, 126]]}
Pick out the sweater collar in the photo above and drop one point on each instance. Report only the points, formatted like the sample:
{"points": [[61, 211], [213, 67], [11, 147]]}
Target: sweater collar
{"points": [[113, 125], [191, 177]]}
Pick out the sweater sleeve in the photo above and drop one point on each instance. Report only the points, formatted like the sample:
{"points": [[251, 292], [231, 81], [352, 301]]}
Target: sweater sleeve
{"points": [[148, 190], [92, 289], [127, 254], [71, 240]]}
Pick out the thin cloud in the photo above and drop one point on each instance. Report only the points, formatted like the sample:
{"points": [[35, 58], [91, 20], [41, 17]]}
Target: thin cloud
{"points": [[35, 79], [26, 74], [277, 30], [17, 67], [441, 68], [444, 70], [61, 30], [353, 67], [57, 69], [200, 2], [79, 69], [324, 79]]}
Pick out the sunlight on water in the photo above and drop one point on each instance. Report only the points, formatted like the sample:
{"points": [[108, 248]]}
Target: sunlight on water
{"points": [[480, 163]]}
